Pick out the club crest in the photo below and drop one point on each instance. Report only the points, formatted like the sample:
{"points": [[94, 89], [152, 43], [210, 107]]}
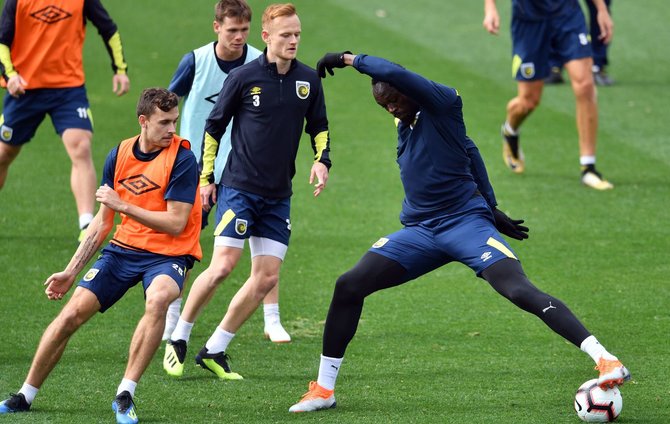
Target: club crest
{"points": [[91, 274], [240, 226], [380, 243], [528, 70], [6, 133], [302, 89]]}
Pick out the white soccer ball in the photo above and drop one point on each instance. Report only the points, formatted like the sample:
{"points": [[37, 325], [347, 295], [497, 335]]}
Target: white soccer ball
{"points": [[595, 405]]}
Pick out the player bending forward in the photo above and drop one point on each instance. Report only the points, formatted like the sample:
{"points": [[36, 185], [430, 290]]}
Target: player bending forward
{"points": [[449, 215]]}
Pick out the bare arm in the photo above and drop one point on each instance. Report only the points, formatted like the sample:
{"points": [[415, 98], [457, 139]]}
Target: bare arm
{"points": [[172, 221], [491, 17], [58, 284], [605, 22]]}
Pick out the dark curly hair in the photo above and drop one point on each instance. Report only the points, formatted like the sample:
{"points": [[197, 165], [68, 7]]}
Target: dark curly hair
{"points": [[161, 98]]}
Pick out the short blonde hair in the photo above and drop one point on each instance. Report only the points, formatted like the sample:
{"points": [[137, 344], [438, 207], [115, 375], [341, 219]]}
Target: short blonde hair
{"points": [[275, 11]]}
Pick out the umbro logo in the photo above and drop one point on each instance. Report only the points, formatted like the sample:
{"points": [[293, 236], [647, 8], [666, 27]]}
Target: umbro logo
{"points": [[486, 256], [139, 184], [51, 14]]}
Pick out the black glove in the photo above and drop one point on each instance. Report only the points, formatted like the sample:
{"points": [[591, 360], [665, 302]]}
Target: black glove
{"points": [[330, 61], [510, 227]]}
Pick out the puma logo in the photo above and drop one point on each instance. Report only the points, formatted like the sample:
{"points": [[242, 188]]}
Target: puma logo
{"points": [[548, 307]]}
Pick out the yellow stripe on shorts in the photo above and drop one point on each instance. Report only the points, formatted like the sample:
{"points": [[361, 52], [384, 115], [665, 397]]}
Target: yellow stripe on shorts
{"points": [[501, 247], [225, 220]]}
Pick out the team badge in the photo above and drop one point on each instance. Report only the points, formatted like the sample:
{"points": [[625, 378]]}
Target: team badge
{"points": [[91, 274], [6, 133], [528, 70], [302, 89], [240, 226], [380, 243]]}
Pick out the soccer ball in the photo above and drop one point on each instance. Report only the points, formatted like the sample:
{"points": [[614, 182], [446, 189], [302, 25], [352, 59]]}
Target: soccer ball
{"points": [[595, 405]]}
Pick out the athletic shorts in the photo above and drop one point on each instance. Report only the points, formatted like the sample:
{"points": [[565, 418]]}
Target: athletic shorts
{"points": [[469, 237], [565, 37], [118, 269], [67, 107], [240, 215]]}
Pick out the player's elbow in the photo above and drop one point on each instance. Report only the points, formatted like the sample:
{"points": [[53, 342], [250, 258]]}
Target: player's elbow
{"points": [[176, 229], [176, 226]]}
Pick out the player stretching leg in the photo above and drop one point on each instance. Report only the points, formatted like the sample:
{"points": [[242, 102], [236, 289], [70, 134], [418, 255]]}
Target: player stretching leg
{"points": [[449, 215]]}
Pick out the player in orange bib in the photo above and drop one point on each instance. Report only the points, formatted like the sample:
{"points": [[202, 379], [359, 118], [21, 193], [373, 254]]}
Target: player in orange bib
{"points": [[41, 44], [151, 181]]}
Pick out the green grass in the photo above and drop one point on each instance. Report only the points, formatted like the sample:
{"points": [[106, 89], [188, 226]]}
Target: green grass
{"points": [[444, 348]]}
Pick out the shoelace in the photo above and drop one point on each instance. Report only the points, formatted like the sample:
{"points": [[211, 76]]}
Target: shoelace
{"points": [[309, 391], [312, 392], [14, 400], [225, 365], [124, 402]]}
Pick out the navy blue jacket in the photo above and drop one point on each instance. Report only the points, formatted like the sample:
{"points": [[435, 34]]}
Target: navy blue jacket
{"points": [[440, 166]]}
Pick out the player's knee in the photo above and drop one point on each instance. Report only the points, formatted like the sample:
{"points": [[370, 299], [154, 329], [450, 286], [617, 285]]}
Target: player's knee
{"points": [[220, 271], [521, 294], [158, 303], [530, 103], [67, 322], [263, 283], [8, 154], [78, 148], [347, 288], [584, 89]]}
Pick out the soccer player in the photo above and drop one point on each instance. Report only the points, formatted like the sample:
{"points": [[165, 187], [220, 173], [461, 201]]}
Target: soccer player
{"points": [[536, 27], [600, 60], [449, 214], [269, 101], [198, 79], [156, 242], [41, 44]]}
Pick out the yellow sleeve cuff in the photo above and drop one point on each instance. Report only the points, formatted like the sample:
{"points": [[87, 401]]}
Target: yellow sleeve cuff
{"points": [[209, 151]]}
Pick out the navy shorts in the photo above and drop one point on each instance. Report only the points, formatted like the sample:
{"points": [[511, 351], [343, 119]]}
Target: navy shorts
{"points": [[118, 269], [240, 215], [67, 107], [469, 237], [565, 37]]}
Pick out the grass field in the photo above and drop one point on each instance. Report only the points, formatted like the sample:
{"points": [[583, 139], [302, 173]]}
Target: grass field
{"points": [[444, 348]]}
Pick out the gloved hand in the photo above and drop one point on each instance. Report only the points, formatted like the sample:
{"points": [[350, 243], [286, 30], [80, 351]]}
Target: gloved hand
{"points": [[330, 61], [510, 227]]}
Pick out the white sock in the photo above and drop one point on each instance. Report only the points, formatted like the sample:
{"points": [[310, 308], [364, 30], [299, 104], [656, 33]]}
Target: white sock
{"points": [[587, 160], [84, 220], [219, 341], [595, 350], [328, 369], [182, 331], [270, 313], [171, 318], [509, 130], [29, 392], [127, 385]]}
